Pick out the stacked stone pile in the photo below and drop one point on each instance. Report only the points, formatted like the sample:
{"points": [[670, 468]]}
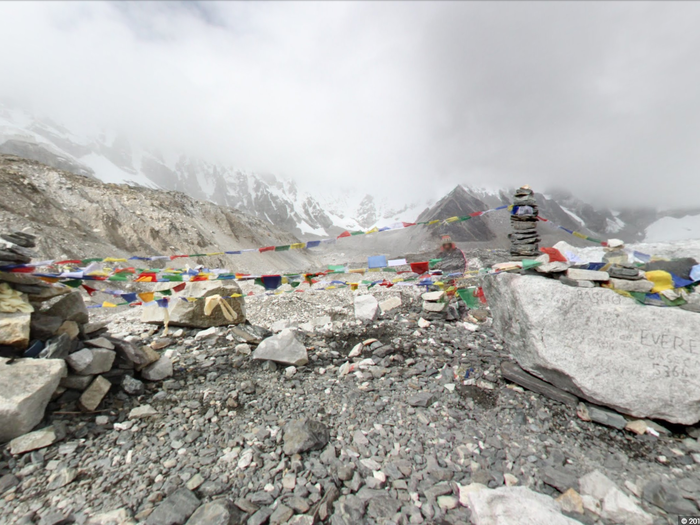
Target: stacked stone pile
{"points": [[50, 349], [524, 238]]}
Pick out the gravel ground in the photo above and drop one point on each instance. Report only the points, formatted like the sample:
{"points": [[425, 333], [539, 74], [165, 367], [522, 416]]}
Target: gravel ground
{"points": [[403, 432]]}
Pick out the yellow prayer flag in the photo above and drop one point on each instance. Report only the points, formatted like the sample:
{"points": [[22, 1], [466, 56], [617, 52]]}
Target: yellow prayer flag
{"points": [[146, 297], [297, 246], [108, 305], [113, 259], [452, 219], [580, 235]]}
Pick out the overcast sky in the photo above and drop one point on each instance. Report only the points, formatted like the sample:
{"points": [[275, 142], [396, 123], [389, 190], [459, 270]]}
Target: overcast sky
{"points": [[601, 98]]}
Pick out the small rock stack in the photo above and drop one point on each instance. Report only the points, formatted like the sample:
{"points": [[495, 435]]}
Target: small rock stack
{"points": [[50, 351], [523, 219]]}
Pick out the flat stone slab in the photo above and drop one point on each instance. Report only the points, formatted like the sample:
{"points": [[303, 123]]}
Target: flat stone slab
{"points": [[601, 346], [587, 275]]}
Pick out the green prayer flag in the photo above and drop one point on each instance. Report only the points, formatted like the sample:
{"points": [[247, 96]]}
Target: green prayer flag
{"points": [[88, 261], [73, 283], [165, 292], [198, 255], [282, 248], [529, 264], [336, 268], [434, 263], [259, 281], [676, 302], [638, 296], [118, 277], [467, 295]]}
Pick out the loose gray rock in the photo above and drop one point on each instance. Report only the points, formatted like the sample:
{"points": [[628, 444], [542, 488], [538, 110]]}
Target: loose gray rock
{"points": [[304, 434], [159, 370], [175, 509], [132, 386], [260, 517], [33, 441], [95, 393], [7, 482], [91, 361], [422, 399], [70, 307], [216, 513], [76, 382], [383, 507], [667, 498]]}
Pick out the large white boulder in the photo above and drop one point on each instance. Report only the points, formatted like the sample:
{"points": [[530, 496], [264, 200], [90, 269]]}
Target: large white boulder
{"points": [[601, 346], [283, 348], [366, 307], [26, 386], [192, 313], [514, 506]]}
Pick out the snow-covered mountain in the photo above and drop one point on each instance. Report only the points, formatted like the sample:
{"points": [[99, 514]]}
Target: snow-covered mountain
{"points": [[111, 158]]}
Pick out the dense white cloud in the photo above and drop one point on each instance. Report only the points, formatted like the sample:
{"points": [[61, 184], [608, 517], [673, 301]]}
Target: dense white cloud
{"points": [[413, 97]]}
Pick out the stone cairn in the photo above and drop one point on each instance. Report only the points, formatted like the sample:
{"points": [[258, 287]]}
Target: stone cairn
{"points": [[523, 219], [49, 349]]}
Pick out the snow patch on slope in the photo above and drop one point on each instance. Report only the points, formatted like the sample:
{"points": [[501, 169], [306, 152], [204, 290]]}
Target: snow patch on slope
{"points": [[106, 171], [670, 229]]}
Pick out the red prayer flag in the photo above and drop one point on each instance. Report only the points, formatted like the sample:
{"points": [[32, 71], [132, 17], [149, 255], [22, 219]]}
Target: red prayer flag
{"points": [[407, 224], [89, 289], [554, 255], [476, 213], [27, 269], [69, 262], [420, 267], [345, 234], [179, 287], [267, 249]]}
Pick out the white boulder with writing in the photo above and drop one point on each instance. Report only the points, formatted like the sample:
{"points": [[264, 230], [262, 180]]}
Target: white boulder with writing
{"points": [[601, 346]]}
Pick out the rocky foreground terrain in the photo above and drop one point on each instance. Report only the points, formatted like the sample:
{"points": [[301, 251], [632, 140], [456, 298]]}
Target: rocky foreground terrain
{"points": [[420, 429]]}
